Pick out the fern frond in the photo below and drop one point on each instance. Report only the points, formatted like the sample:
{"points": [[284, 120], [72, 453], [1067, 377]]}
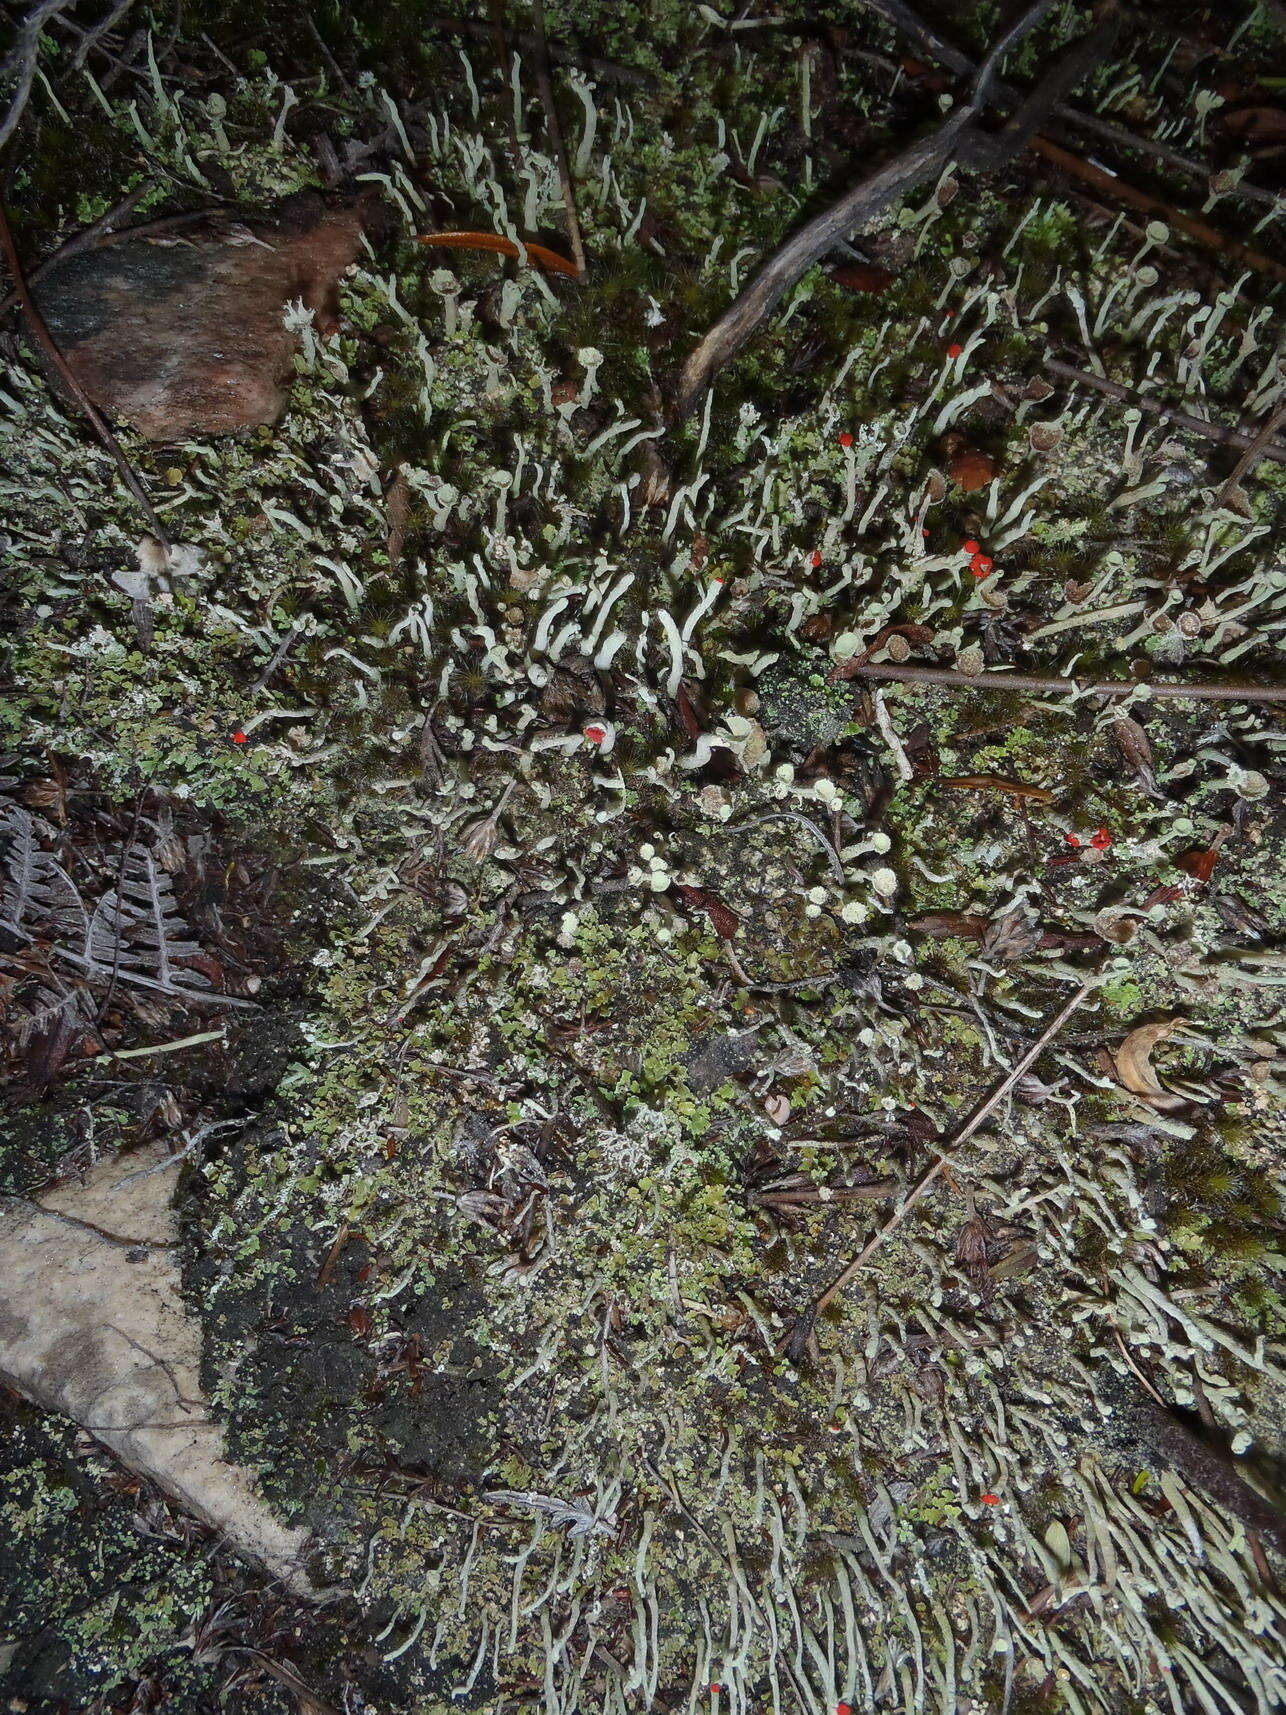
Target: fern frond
{"points": [[38, 897], [136, 929]]}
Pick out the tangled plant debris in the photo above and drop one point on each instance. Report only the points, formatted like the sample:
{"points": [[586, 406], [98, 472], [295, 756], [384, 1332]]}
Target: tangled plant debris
{"points": [[675, 843]]}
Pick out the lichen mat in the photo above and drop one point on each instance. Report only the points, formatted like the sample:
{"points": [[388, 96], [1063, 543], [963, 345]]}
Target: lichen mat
{"points": [[684, 982]]}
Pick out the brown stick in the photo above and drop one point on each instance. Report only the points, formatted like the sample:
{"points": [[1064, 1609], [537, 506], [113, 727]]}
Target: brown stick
{"points": [[1198, 230], [19, 66], [1145, 402], [87, 239], [545, 84], [985, 1107], [792, 259], [101, 428], [903, 18], [1206, 1468], [1213, 693], [1257, 449], [956, 135], [1127, 139]]}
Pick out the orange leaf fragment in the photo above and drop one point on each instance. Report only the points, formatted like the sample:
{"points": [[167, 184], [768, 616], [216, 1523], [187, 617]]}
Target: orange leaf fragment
{"points": [[547, 259], [1200, 865], [863, 277]]}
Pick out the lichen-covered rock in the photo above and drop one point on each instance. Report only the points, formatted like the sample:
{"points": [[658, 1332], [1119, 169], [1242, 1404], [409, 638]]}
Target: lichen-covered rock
{"points": [[184, 332]]}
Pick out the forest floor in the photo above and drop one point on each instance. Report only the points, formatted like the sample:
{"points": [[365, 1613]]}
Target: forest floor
{"points": [[709, 1172]]}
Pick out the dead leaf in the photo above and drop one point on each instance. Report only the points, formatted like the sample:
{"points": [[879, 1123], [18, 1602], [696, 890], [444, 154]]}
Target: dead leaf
{"points": [[944, 925], [1010, 937], [1200, 865], [1136, 748], [688, 714], [863, 277], [543, 257], [1257, 124], [656, 485], [723, 920], [971, 1247], [971, 470], [1133, 1062]]}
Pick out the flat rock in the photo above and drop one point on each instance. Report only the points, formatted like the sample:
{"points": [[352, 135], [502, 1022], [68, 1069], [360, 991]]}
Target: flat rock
{"points": [[183, 332], [93, 1324]]}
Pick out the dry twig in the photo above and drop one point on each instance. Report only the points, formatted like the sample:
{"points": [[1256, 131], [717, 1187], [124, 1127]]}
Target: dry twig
{"points": [[1260, 447], [89, 238], [1212, 693], [19, 67], [1183, 419], [545, 83], [903, 18], [956, 135], [986, 1106], [1200, 231]]}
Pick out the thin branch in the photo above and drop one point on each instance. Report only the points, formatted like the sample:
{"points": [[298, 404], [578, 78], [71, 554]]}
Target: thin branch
{"points": [[984, 1108], [961, 64], [1145, 402], [1010, 38], [805, 247], [19, 67], [1209, 237], [287, 643], [545, 84], [1127, 139], [903, 18], [1259, 447], [1069, 70], [956, 135], [87, 239], [1219, 692], [89, 39], [101, 428]]}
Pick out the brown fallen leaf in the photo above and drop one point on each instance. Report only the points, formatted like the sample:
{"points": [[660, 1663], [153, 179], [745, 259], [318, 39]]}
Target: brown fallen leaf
{"points": [[1136, 748], [723, 919], [863, 277], [943, 925], [1133, 1062], [1200, 865], [1010, 937], [971, 470], [545, 258], [688, 716]]}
